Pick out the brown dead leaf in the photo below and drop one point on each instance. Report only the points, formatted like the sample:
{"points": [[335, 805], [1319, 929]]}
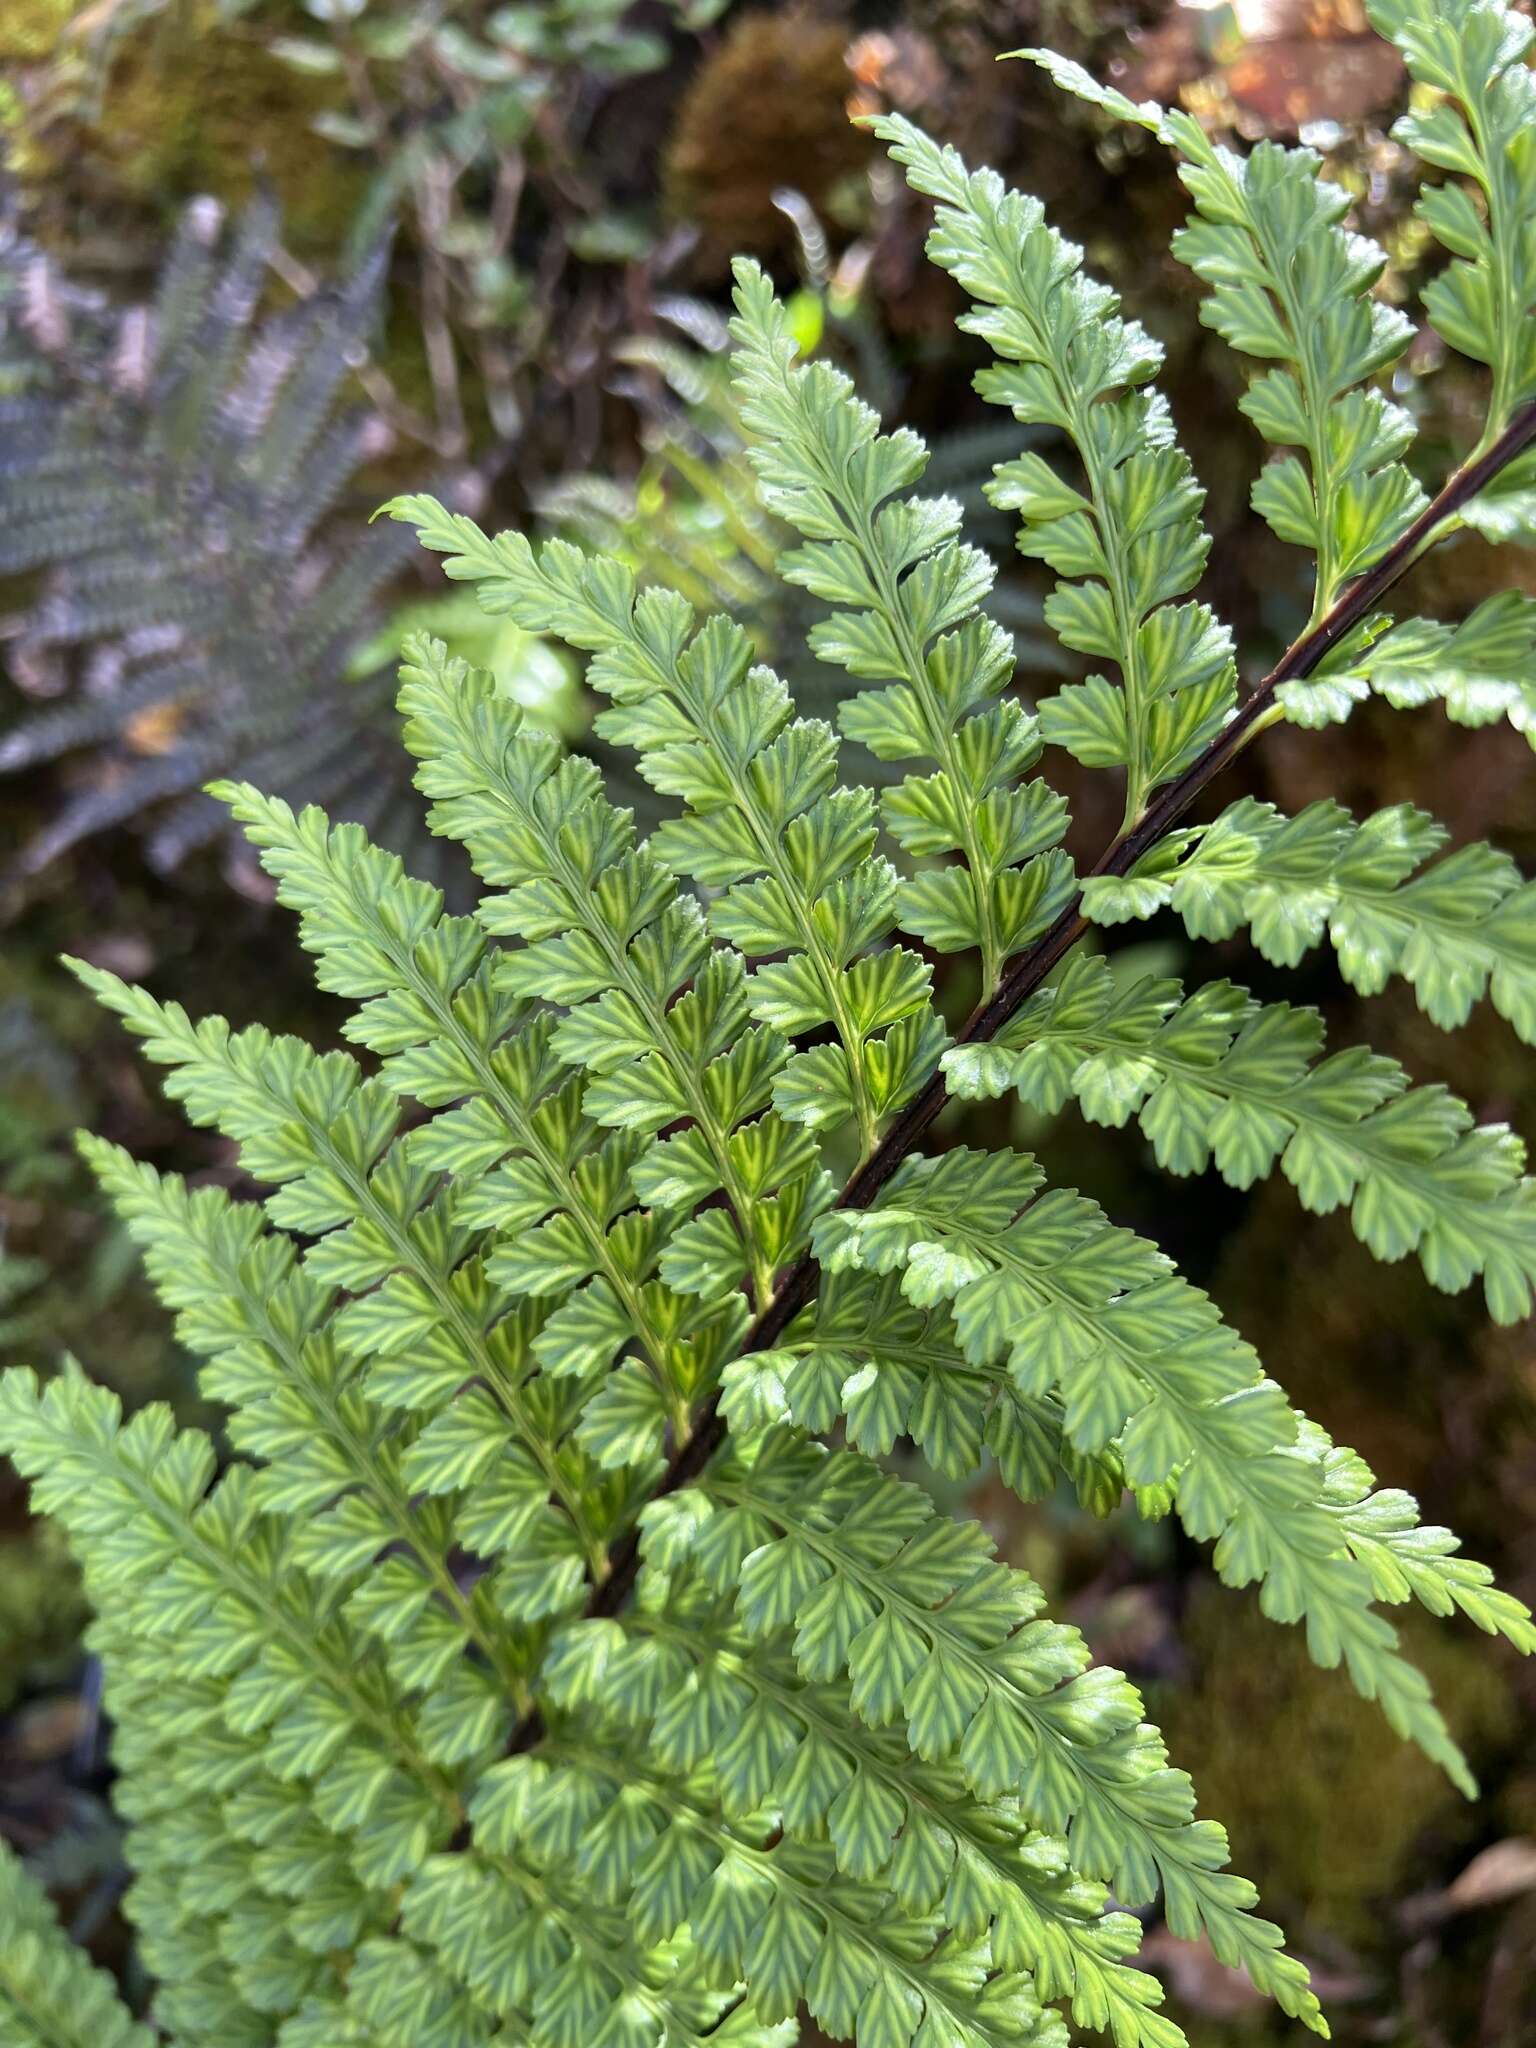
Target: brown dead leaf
{"points": [[1498, 1873]]}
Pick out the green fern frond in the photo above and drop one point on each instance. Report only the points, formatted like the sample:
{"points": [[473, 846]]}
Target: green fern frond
{"points": [[1456, 931], [1472, 55], [1218, 1078], [1289, 284], [889, 1817], [1133, 544], [933, 1635], [1482, 671], [907, 593], [50, 1996], [763, 821], [532, 1672], [655, 1014], [1049, 1291]]}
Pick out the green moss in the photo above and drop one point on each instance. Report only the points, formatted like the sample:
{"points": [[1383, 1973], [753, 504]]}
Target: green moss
{"points": [[31, 30], [189, 107], [1313, 1791]]}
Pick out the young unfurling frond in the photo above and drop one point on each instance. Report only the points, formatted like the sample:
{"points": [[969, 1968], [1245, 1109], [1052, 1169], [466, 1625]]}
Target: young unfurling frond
{"points": [[532, 1668]]}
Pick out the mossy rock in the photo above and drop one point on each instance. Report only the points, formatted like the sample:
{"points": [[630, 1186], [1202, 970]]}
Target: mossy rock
{"points": [[767, 108], [189, 107], [31, 30]]}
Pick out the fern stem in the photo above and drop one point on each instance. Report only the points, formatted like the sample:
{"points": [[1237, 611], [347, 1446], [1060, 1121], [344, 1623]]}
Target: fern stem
{"points": [[1028, 970]]}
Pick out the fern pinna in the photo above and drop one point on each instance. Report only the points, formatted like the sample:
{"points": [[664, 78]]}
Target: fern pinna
{"points": [[554, 1660]]}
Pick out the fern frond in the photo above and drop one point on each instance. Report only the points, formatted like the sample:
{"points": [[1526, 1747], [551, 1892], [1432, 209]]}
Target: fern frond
{"points": [[279, 1795], [1054, 1294], [767, 1910], [1472, 55], [322, 1133], [1133, 545], [791, 854], [1290, 284], [889, 1817], [934, 1635], [1457, 930], [177, 500], [1406, 1559], [655, 1014], [863, 1352], [50, 1996], [532, 1673], [331, 1460], [1219, 1078], [909, 596], [1482, 670], [518, 1097]]}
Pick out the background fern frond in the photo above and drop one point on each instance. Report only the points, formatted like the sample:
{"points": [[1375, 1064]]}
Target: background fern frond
{"points": [[198, 603]]}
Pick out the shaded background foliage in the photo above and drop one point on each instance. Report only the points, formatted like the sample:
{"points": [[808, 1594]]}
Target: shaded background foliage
{"points": [[483, 248]]}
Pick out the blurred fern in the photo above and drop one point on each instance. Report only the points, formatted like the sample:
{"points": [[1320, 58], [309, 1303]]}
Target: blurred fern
{"points": [[166, 476]]}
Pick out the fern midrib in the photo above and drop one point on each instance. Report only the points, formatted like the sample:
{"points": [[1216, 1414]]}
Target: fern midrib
{"points": [[1116, 556], [1079, 1759], [1505, 235], [942, 743], [831, 977], [859, 529], [254, 1591], [1313, 382], [1393, 901], [1111, 542], [624, 1960], [683, 1070], [1410, 917]]}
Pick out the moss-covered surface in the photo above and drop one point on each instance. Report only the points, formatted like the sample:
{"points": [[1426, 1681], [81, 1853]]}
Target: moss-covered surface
{"points": [[185, 107], [767, 109], [1337, 1821]]}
